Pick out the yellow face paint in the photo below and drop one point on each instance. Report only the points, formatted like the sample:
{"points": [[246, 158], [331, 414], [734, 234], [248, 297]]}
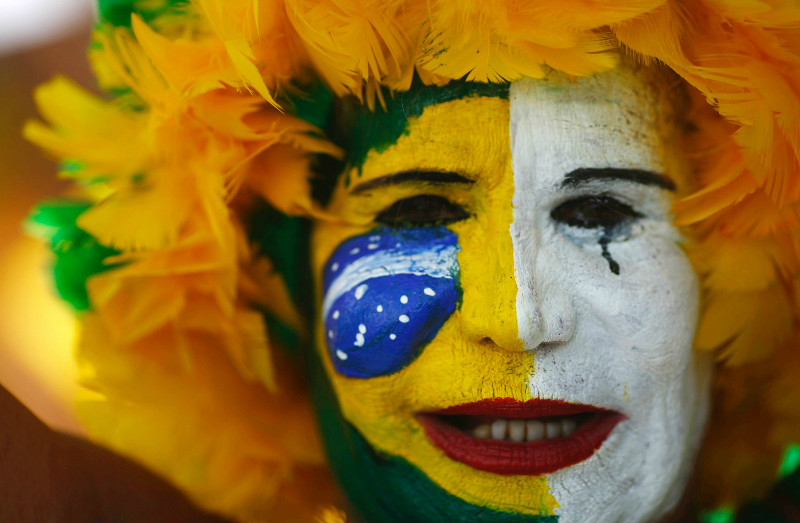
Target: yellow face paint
{"points": [[477, 354]]}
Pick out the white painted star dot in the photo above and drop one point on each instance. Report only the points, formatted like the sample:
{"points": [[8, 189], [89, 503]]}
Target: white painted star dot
{"points": [[362, 328], [392, 336], [359, 340], [335, 315], [403, 299], [335, 267], [379, 308], [330, 334], [429, 291], [403, 318], [360, 291], [341, 354], [355, 250], [372, 246]]}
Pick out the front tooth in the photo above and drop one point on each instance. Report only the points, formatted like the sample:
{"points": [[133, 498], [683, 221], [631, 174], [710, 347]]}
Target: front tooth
{"points": [[499, 429], [535, 430], [516, 430], [482, 431], [568, 426], [553, 429]]}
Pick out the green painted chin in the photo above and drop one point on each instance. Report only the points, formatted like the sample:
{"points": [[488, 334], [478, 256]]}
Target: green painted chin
{"points": [[384, 488]]}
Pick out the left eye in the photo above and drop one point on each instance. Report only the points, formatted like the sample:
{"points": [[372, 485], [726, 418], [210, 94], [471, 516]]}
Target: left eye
{"points": [[594, 212], [421, 210]]}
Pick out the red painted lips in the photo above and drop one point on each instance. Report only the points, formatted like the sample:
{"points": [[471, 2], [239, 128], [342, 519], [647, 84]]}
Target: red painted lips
{"points": [[448, 429]]}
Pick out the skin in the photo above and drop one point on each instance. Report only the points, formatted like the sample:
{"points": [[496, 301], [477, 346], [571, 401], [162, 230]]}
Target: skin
{"points": [[549, 309]]}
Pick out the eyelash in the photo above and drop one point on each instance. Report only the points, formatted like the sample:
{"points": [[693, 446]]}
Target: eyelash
{"points": [[595, 212], [423, 210]]}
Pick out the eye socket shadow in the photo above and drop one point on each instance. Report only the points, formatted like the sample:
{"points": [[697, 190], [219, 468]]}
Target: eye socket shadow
{"points": [[387, 294]]}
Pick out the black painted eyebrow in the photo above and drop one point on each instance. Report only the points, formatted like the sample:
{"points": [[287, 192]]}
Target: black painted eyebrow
{"points": [[411, 176], [587, 174]]}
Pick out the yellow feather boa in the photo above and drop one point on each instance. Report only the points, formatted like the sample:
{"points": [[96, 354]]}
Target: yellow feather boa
{"points": [[178, 360]]}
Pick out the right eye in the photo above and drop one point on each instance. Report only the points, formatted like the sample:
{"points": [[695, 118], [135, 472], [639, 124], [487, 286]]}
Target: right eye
{"points": [[421, 211], [595, 212]]}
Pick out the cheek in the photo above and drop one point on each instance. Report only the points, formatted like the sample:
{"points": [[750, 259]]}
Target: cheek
{"points": [[661, 303], [386, 294], [632, 344], [648, 315]]}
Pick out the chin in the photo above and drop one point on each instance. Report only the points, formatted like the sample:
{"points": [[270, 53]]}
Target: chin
{"points": [[642, 470], [619, 484]]}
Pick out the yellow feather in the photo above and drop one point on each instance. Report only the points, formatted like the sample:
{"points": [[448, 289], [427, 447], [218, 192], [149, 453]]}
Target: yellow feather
{"points": [[731, 184], [174, 330], [146, 215], [236, 26], [190, 67], [282, 180], [354, 41], [508, 40], [88, 130], [331, 515], [746, 71], [261, 285], [758, 216], [734, 265], [745, 326], [248, 453], [243, 60]]}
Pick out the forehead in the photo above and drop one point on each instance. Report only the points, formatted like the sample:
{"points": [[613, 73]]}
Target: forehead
{"points": [[362, 131], [468, 136], [558, 124]]}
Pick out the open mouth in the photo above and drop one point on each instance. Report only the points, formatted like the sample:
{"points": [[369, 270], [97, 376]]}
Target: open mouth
{"points": [[506, 436]]}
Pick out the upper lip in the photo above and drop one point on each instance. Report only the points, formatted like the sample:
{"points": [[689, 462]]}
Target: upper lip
{"points": [[510, 408], [449, 429]]}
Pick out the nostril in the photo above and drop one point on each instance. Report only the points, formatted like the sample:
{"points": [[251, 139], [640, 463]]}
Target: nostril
{"points": [[500, 343]]}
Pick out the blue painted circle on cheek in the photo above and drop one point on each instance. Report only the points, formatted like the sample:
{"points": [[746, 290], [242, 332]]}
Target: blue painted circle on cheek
{"points": [[379, 334], [387, 295]]}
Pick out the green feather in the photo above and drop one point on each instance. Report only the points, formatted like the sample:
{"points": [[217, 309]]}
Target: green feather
{"points": [[284, 241], [118, 12], [78, 256]]}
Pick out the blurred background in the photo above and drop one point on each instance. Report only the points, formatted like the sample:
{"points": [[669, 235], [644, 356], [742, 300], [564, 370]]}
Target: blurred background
{"points": [[38, 40]]}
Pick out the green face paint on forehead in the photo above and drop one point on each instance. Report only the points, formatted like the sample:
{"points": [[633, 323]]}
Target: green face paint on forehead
{"points": [[359, 130]]}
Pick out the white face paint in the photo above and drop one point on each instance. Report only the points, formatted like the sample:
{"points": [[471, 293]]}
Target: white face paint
{"points": [[618, 341]]}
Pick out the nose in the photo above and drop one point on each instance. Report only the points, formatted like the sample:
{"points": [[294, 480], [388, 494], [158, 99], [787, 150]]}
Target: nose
{"points": [[544, 313], [489, 315], [513, 298]]}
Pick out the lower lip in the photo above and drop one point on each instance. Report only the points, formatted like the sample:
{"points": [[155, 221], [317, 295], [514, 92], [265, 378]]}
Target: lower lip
{"points": [[529, 458]]}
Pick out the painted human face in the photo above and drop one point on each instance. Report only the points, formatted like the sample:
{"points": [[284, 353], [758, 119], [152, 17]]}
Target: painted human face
{"points": [[505, 313]]}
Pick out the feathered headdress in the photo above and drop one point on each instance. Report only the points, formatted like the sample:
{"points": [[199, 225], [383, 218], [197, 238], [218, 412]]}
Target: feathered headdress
{"points": [[212, 109]]}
